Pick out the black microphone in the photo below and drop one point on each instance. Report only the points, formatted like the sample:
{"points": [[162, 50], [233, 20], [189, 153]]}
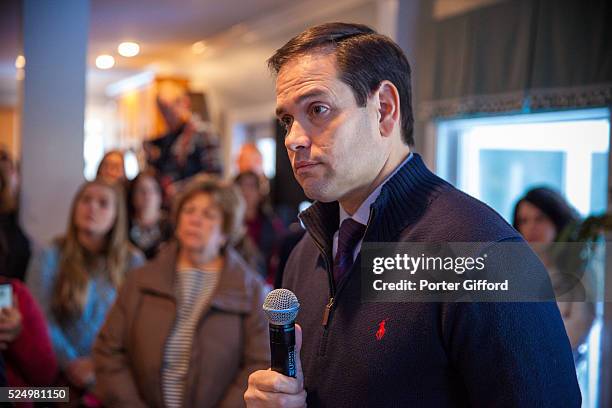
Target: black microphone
{"points": [[281, 307]]}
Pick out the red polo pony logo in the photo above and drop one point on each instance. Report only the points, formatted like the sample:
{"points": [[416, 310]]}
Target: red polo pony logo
{"points": [[380, 333]]}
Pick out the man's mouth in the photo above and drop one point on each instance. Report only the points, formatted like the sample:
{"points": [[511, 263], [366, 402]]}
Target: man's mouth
{"points": [[305, 165]]}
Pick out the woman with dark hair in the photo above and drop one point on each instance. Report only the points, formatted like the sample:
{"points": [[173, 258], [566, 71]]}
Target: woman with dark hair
{"points": [[264, 228], [14, 244], [542, 216], [148, 227], [76, 279], [187, 328]]}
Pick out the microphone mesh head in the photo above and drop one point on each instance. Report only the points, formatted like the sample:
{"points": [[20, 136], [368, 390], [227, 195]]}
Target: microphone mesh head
{"points": [[281, 306]]}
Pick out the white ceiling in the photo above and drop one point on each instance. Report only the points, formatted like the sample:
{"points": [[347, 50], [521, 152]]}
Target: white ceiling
{"points": [[241, 35], [160, 25], [164, 27]]}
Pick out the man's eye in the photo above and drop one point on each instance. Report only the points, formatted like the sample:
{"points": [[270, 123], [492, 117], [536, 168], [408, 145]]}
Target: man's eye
{"points": [[319, 109]]}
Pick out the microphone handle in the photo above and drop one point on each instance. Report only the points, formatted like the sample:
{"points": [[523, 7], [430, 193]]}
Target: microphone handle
{"points": [[282, 349]]}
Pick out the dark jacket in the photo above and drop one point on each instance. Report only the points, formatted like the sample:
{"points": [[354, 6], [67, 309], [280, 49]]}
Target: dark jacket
{"points": [[230, 342], [153, 241], [14, 247], [202, 156], [431, 354]]}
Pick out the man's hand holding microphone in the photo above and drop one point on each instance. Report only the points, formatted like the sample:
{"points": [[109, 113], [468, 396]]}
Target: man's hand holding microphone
{"points": [[283, 384]]}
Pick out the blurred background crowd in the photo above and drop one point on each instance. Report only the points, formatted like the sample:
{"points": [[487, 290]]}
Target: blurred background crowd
{"points": [[142, 135]]}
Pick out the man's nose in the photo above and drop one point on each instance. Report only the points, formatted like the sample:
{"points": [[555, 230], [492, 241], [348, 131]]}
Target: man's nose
{"points": [[297, 138]]}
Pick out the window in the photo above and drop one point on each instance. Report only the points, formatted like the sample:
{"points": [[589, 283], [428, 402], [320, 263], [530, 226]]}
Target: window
{"points": [[498, 159]]}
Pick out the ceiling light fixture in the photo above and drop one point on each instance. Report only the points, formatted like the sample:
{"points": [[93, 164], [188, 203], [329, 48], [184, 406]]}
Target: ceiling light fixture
{"points": [[128, 49], [20, 62], [105, 61]]}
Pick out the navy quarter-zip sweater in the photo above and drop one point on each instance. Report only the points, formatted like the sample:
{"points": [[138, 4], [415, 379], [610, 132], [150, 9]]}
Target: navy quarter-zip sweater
{"points": [[431, 354]]}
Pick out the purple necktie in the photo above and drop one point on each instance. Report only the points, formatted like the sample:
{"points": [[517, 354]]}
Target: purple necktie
{"points": [[349, 235]]}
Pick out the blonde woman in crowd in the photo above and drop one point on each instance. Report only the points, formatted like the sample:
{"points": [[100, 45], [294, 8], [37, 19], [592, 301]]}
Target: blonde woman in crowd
{"points": [[76, 278]]}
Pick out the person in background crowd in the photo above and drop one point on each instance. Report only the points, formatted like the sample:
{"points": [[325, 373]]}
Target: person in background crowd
{"points": [[14, 244], [188, 148], [3, 381], [294, 234], [250, 159], [112, 168], [24, 341], [541, 216], [187, 328], [264, 228], [75, 280], [148, 226], [248, 250]]}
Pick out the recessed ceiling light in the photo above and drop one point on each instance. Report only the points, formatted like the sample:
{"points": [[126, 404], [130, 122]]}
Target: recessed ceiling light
{"points": [[198, 47], [20, 62], [128, 49], [105, 61]]}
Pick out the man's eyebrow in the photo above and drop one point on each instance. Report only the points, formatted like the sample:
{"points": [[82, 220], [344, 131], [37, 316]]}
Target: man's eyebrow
{"points": [[310, 94]]}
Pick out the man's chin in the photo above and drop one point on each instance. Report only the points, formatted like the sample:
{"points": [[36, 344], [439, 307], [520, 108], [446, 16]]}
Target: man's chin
{"points": [[316, 192]]}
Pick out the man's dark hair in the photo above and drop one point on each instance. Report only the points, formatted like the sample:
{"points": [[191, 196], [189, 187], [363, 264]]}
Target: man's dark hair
{"points": [[364, 59]]}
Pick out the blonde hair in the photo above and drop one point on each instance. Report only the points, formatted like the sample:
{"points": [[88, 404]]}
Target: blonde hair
{"points": [[225, 196], [70, 291]]}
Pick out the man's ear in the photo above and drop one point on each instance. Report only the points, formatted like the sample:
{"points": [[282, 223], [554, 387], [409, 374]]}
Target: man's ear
{"points": [[388, 106]]}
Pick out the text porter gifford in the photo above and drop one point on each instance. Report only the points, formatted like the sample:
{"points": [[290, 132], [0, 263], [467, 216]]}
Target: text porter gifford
{"points": [[474, 285]]}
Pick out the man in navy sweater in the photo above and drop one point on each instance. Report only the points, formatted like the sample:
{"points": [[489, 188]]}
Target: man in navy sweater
{"points": [[343, 93]]}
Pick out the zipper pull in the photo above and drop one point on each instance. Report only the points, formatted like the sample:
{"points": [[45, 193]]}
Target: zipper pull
{"points": [[327, 311]]}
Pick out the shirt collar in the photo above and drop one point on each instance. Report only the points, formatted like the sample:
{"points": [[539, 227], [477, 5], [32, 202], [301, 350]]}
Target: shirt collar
{"points": [[363, 212]]}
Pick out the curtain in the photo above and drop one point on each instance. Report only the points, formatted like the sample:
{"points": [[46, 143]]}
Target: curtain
{"points": [[518, 55]]}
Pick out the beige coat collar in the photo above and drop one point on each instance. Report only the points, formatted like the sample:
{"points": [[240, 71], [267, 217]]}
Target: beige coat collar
{"points": [[232, 293]]}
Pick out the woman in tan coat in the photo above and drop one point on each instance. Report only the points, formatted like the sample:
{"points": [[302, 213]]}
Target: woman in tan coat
{"points": [[187, 328]]}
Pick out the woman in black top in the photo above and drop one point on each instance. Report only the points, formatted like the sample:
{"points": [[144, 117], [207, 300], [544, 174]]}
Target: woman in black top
{"points": [[148, 227], [14, 244]]}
